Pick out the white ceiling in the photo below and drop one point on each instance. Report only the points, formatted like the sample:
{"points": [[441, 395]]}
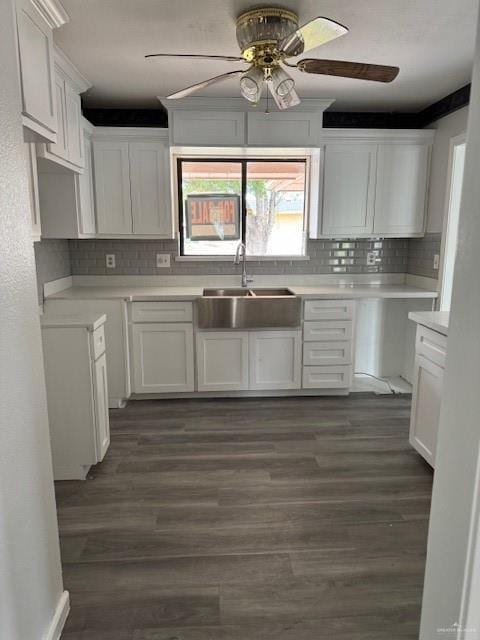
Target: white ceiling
{"points": [[432, 41]]}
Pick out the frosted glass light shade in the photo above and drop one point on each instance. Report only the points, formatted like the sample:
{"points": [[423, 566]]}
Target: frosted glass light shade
{"points": [[282, 83], [251, 84]]}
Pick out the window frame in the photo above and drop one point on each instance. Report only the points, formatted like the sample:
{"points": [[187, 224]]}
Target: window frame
{"points": [[243, 162]]}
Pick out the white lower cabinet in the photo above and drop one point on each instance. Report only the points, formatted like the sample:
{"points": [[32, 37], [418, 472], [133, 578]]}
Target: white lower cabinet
{"points": [[275, 359], [77, 392], [162, 357], [428, 374], [328, 344], [101, 400], [248, 360], [222, 360]]}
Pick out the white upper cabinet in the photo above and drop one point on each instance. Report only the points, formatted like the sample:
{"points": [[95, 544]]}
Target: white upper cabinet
{"points": [[112, 187], [349, 189], [284, 128], [132, 184], [208, 127], [33, 189], [35, 56], [66, 198], [68, 150], [150, 188], [73, 112], [374, 184], [401, 188]]}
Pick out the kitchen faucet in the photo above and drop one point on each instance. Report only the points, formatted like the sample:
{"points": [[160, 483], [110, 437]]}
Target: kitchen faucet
{"points": [[242, 253]]}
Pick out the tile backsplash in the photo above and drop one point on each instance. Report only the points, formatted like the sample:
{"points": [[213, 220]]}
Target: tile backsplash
{"points": [[138, 257], [421, 252]]}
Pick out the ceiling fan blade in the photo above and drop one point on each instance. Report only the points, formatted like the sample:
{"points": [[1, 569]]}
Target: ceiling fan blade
{"points": [[200, 85], [291, 99], [344, 69], [194, 56], [314, 33]]}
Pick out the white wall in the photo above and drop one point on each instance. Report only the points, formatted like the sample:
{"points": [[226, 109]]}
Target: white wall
{"points": [[452, 584], [446, 128], [30, 570]]}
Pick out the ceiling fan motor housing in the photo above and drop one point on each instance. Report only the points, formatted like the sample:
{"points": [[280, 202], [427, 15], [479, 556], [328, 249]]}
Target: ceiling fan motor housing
{"points": [[260, 31]]}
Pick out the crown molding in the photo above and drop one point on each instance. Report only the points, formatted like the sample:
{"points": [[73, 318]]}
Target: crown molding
{"points": [[52, 11], [240, 104]]}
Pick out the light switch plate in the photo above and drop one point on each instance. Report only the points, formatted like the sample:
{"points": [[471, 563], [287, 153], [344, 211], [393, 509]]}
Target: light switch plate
{"points": [[436, 261], [110, 260], [163, 260], [371, 258]]}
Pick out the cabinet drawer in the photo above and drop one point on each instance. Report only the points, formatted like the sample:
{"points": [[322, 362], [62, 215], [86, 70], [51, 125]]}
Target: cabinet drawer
{"points": [[329, 309], [336, 330], [322, 353], [432, 345], [98, 342], [327, 377], [162, 311]]}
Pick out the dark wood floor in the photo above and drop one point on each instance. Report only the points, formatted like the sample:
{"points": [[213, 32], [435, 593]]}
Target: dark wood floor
{"points": [[273, 519]]}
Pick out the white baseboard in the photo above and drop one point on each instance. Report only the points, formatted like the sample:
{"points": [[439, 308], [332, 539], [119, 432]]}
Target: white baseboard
{"points": [[58, 622]]}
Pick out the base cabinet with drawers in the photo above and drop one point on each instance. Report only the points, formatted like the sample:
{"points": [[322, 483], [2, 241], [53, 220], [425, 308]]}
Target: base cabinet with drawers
{"points": [[162, 347], [77, 392], [328, 344], [248, 360], [429, 369]]}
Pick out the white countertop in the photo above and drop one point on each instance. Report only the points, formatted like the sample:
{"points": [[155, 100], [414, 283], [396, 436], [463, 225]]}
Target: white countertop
{"points": [[89, 321], [435, 320], [136, 293]]}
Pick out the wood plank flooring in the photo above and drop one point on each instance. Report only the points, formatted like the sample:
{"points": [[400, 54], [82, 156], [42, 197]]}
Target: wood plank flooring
{"points": [[256, 519]]}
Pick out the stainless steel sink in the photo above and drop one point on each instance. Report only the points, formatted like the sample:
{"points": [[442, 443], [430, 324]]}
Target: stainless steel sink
{"points": [[248, 308]]}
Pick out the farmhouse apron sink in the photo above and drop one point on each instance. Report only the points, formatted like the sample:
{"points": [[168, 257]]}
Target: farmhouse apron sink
{"points": [[248, 308]]}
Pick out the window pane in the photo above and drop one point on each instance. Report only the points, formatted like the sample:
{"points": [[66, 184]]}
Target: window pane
{"points": [[275, 208], [211, 194]]}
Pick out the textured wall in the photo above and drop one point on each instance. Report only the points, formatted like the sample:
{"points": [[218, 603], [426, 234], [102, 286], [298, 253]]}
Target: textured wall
{"points": [[30, 571], [420, 255], [138, 257], [52, 258]]}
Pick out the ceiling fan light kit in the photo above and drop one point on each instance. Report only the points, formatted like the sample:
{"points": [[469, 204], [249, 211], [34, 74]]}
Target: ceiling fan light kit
{"points": [[267, 37]]}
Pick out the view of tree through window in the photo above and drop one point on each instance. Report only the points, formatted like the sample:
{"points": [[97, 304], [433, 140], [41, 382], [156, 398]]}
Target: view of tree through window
{"points": [[259, 202]]}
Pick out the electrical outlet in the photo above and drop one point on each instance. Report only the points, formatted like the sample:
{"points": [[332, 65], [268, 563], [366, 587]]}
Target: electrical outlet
{"points": [[163, 260], [110, 260], [371, 258], [436, 261]]}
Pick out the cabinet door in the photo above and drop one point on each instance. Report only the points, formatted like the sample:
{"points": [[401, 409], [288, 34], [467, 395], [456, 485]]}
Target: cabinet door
{"points": [[102, 423], [150, 187], [283, 128], [426, 401], [348, 189], [208, 127], [275, 359], [33, 189], [73, 112], [35, 46], [112, 187], [222, 360], [59, 148], [401, 189], [86, 207], [163, 357]]}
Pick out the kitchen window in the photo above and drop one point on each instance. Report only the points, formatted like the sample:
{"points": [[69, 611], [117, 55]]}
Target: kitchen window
{"points": [[224, 201]]}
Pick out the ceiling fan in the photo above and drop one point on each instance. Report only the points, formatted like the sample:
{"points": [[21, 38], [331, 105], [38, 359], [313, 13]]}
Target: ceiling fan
{"points": [[267, 38]]}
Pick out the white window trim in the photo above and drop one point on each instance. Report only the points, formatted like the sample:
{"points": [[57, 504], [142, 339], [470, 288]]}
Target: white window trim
{"points": [[260, 153]]}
